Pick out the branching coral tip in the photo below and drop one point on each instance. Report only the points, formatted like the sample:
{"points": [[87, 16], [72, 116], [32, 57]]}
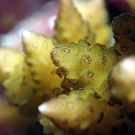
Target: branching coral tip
{"points": [[26, 33], [42, 108]]}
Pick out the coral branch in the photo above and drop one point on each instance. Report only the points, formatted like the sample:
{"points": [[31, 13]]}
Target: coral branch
{"points": [[37, 48], [79, 29], [83, 64], [122, 79], [15, 76], [124, 34]]}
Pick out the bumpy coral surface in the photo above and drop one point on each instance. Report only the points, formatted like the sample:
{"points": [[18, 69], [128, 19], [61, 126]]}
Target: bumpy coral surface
{"points": [[88, 10], [15, 76], [89, 115], [83, 64], [69, 106], [37, 48], [72, 77], [98, 24], [124, 34], [26, 77], [66, 33]]}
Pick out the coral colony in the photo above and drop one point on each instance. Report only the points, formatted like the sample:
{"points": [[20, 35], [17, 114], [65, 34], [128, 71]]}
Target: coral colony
{"points": [[79, 84]]}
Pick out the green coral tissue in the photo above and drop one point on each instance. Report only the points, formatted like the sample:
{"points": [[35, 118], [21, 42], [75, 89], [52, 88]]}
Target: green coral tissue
{"points": [[76, 84]]}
